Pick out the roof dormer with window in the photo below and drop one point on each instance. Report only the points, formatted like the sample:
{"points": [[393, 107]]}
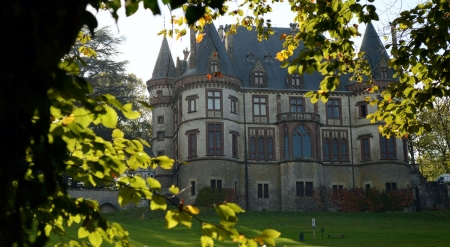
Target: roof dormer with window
{"points": [[258, 75]]}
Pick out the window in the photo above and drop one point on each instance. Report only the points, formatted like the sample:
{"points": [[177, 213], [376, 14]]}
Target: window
{"points": [[296, 105], [387, 147], [192, 188], [286, 142], [260, 105], [216, 183], [233, 104], [295, 81], [215, 139], [334, 108], [234, 144], [214, 99], [192, 142], [301, 142], [362, 109], [337, 187], [300, 189], [160, 153], [160, 135], [214, 66], [263, 190], [391, 186], [160, 119], [259, 78], [367, 187], [365, 147], [261, 144], [309, 189], [192, 103], [384, 72], [304, 189], [335, 145]]}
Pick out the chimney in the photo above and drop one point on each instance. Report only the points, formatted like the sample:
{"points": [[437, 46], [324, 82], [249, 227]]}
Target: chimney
{"points": [[220, 32], [293, 28], [186, 54]]}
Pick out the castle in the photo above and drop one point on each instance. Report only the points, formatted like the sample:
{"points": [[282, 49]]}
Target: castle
{"points": [[242, 122]]}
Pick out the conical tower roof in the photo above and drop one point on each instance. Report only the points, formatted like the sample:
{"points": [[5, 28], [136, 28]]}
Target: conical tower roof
{"points": [[372, 46], [164, 66]]}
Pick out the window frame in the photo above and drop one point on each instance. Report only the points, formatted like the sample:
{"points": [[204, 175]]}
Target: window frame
{"points": [[160, 153], [385, 144], [259, 78], [160, 135], [193, 188], [328, 154], [214, 132], [192, 99], [214, 99], [192, 144], [263, 190], [363, 109], [234, 144], [333, 108], [391, 186], [233, 104], [160, 119], [265, 152], [296, 105], [295, 80], [365, 156], [260, 105]]}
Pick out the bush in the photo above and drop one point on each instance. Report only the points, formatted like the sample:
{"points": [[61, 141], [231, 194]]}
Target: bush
{"points": [[208, 196], [356, 200]]}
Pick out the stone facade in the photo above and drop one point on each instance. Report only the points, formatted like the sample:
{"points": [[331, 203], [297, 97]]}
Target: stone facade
{"points": [[249, 127]]}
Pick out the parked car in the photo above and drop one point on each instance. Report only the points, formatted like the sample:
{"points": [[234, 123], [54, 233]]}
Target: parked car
{"points": [[444, 178]]}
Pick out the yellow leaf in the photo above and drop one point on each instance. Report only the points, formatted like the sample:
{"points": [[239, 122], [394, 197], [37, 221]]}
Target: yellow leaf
{"points": [[178, 36], [95, 238], [174, 189], [82, 232], [191, 209], [69, 119], [48, 229], [199, 37], [283, 36]]}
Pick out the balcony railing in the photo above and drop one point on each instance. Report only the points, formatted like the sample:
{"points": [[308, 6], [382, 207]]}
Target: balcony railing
{"points": [[298, 116]]}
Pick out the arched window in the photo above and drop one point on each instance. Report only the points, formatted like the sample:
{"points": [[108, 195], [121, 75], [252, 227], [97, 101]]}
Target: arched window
{"points": [[301, 141], [252, 148], [335, 150], [269, 148], [261, 148], [326, 150]]}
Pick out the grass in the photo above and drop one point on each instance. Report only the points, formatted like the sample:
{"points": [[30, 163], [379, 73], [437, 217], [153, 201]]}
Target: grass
{"points": [[361, 229]]}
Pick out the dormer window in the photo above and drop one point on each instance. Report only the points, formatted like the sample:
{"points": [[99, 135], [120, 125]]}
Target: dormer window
{"points": [[384, 72], [259, 78], [295, 81], [214, 66], [258, 75]]}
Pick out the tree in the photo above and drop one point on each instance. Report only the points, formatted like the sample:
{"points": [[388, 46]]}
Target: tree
{"points": [[96, 59], [46, 112], [433, 147]]}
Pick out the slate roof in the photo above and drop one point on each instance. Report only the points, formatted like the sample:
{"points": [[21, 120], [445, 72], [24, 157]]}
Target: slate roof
{"points": [[373, 47], [244, 42], [163, 62]]}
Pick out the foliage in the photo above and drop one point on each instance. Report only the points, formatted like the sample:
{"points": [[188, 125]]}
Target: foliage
{"points": [[357, 200], [208, 197], [433, 147], [96, 59]]}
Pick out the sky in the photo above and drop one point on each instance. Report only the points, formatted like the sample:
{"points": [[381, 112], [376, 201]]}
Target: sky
{"points": [[142, 43]]}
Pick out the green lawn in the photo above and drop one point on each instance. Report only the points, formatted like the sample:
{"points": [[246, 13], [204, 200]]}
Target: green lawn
{"points": [[361, 229]]}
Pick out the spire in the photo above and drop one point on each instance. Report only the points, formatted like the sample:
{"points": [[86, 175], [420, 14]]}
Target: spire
{"points": [[373, 47], [164, 66]]}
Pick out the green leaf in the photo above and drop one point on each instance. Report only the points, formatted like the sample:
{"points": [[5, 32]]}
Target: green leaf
{"points": [[270, 233], [110, 118], [95, 238], [158, 202], [117, 134], [227, 211], [236, 208], [125, 196], [154, 184], [172, 218]]}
